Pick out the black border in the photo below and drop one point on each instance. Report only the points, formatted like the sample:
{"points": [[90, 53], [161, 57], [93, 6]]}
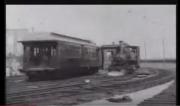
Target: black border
{"points": [[177, 59], [2, 57], [91, 1]]}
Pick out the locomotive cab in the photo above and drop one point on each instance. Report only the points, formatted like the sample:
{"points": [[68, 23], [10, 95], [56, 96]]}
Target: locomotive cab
{"points": [[133, 57], [123, 56]]}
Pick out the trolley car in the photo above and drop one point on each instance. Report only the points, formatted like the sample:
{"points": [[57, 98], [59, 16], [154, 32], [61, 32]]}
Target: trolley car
{"points": [[59, 56]]}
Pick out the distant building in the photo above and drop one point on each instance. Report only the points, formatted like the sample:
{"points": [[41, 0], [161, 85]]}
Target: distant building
{"points": [[13, 49], [12, 36]]}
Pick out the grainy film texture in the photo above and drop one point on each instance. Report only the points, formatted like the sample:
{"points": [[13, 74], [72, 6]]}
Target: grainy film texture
{"points": [[91, 55]]}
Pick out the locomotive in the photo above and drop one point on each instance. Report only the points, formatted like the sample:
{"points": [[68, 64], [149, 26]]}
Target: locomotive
{"points": [[124, 56], [59, 56]]}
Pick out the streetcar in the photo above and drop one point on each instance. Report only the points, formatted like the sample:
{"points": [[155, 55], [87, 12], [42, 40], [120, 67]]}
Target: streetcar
{"points": [[56, 55]]}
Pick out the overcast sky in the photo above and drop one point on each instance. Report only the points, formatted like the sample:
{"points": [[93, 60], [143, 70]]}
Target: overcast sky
{"points": [[135, 24]]}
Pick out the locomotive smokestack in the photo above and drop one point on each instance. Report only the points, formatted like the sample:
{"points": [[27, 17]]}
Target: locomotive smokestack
{"points": [[120, 42]]}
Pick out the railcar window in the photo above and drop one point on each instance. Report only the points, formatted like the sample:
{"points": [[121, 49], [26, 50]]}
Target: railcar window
{"points": [[90, 52], [34, 50], [40, 51], [27, 53], [80, 50], [86, 51], [72, 51], [94, 53], [53, 51]]}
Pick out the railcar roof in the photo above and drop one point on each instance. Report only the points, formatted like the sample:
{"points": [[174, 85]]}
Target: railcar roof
{"points": [[114, 46], [49, 36], [110, 46]]}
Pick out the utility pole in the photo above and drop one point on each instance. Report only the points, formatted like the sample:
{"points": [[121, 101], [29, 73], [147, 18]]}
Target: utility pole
{"points": [[14, 43], [145, 50], [163, 45], [32, 29]]}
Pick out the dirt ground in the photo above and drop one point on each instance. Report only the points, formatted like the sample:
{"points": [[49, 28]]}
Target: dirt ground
{"points": [[94, 93], [165, 98], [168, 96]]}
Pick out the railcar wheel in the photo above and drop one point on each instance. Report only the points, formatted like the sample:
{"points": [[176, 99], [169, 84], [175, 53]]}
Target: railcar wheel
{"points": [[137, 66], [31, 78], [96, 70], [93, 70]]}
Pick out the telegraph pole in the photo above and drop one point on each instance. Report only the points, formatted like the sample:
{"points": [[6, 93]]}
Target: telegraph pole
{"points": [[145, 50], [163, 49], [32, 29], [14, 42]]}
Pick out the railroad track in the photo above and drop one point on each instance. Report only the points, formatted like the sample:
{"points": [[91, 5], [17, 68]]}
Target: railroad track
{"points": [[55, 89], [79, 88], [64, 83]]}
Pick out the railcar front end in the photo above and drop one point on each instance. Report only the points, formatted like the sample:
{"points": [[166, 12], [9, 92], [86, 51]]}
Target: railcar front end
{"points": [[40, 58]]}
